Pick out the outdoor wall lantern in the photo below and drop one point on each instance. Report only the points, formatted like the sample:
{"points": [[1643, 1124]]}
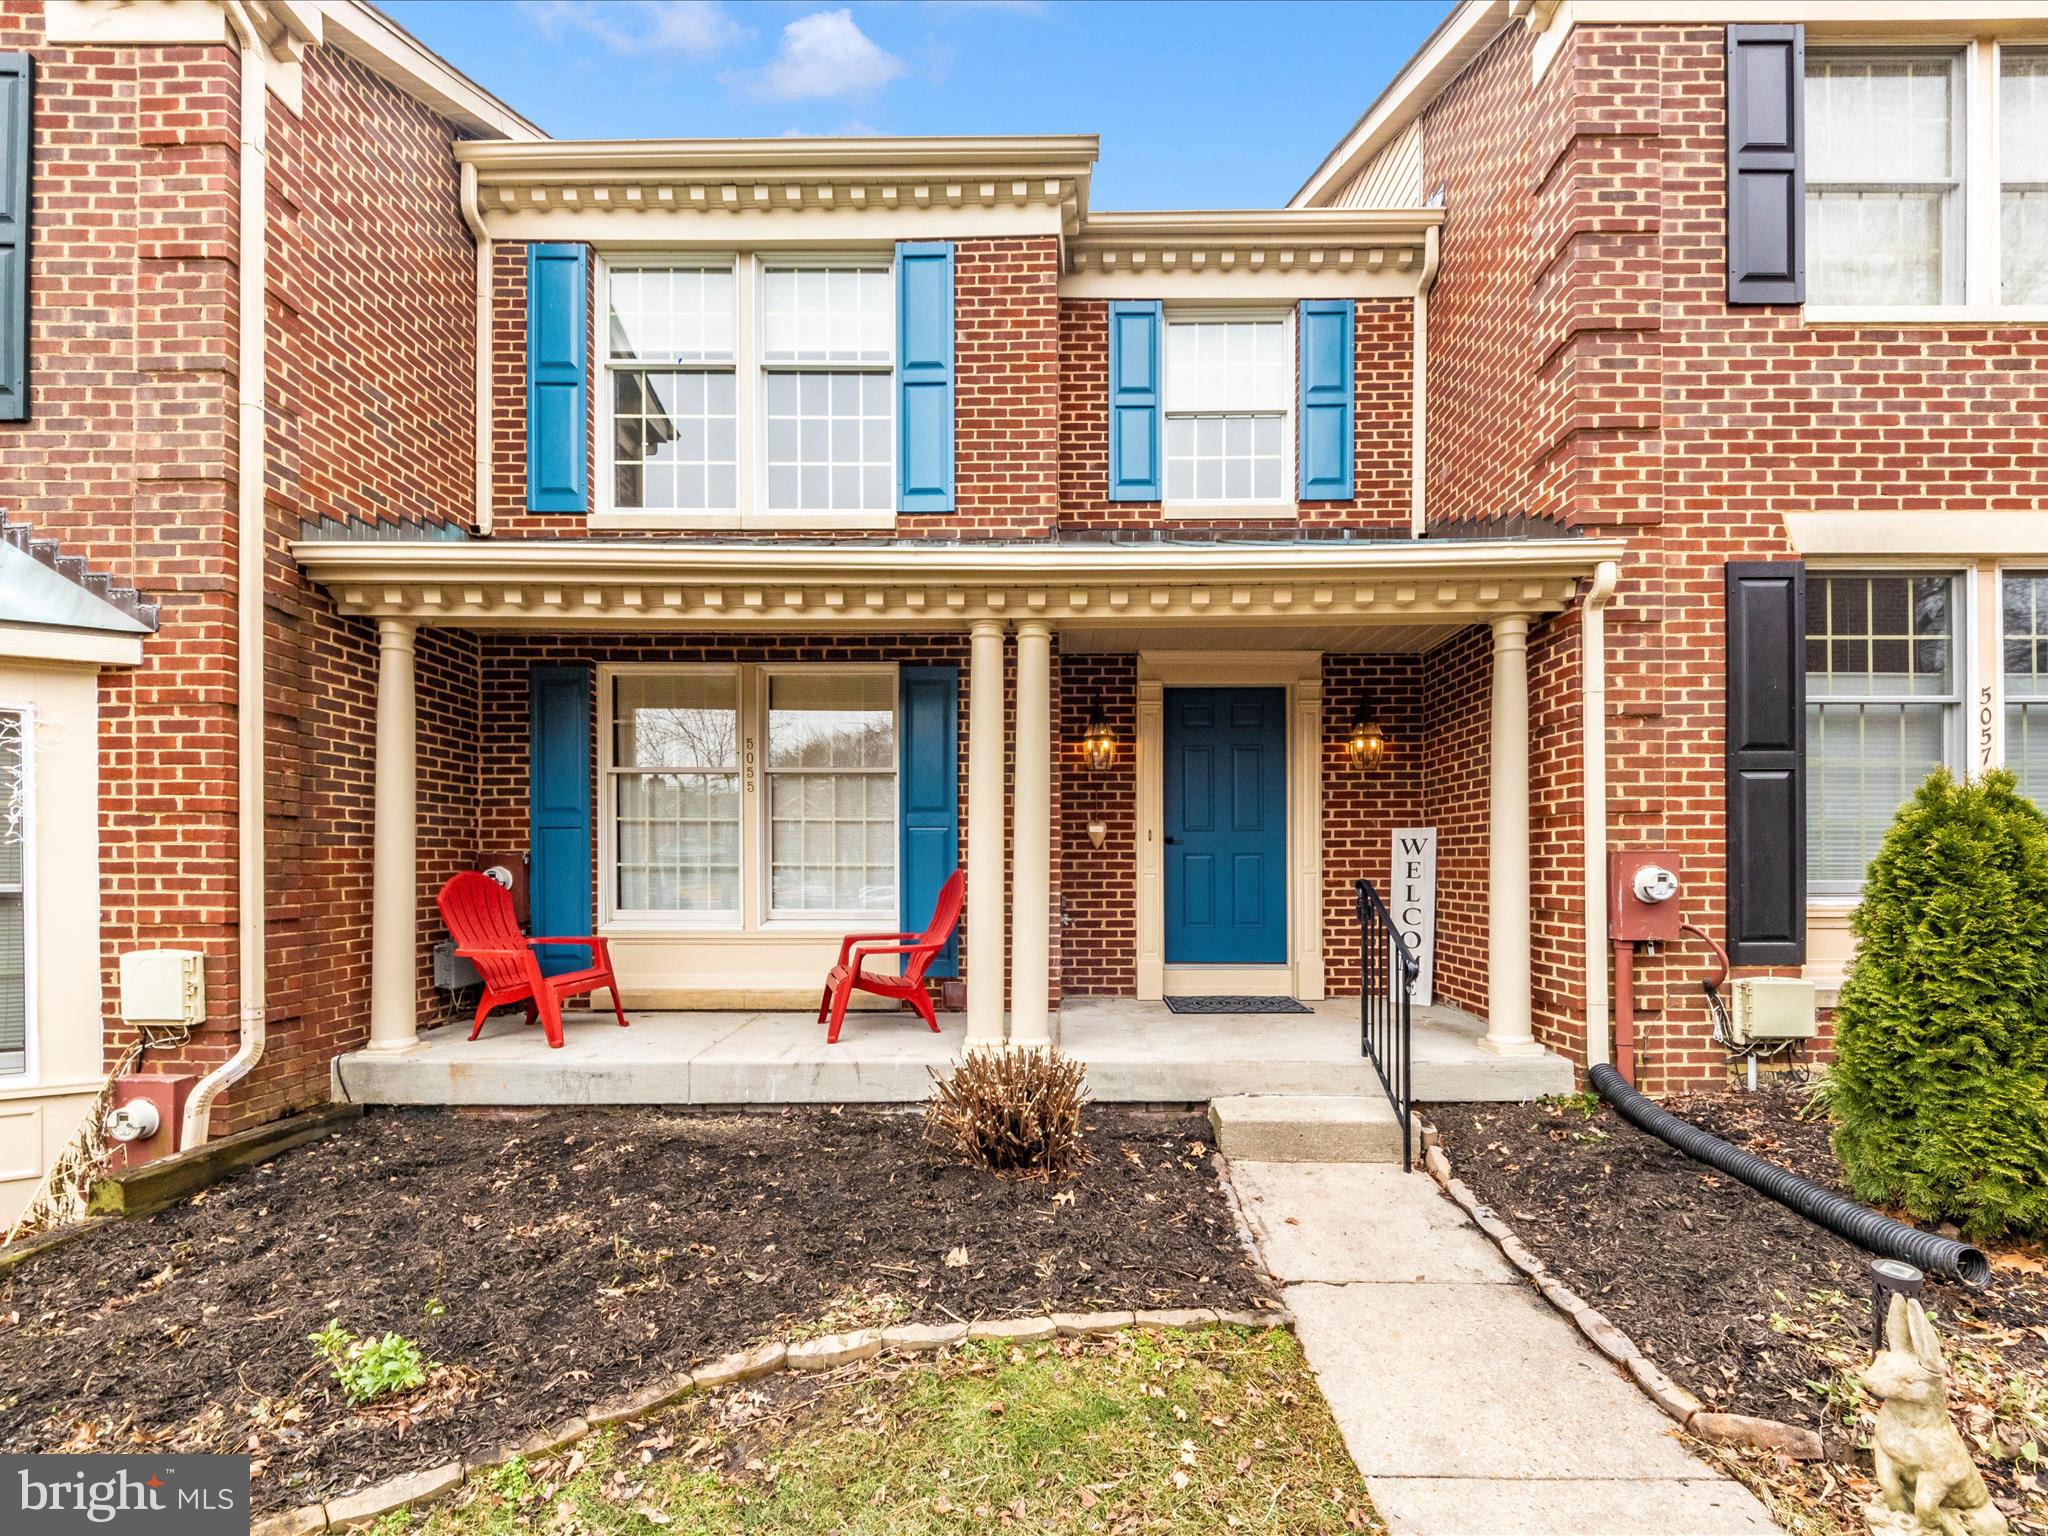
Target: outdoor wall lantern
{"points": [[1098, 743], [1368, 744]]}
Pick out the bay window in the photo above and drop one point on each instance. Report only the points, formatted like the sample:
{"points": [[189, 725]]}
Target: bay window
{"points": [[749, 391], [1228, 402], [1883, 696], [1927, 177], [2025, 646], [738, 797], [15, 820]]}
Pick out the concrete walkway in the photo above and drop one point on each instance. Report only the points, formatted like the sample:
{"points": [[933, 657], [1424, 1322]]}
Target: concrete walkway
{"points": [[1471, 1407]]}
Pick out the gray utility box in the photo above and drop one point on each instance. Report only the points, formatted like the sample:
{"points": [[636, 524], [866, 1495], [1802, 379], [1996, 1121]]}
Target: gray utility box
{"points": [[452, 973]]}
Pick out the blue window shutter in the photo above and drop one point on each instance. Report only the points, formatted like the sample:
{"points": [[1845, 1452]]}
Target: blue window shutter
{"points": [[557, 382], [1325, 456], [928, 792], [17, 136], [558, 787], [1134, 333], [924, 376]]}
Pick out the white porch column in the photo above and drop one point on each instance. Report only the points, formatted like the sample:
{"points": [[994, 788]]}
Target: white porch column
{"points": [[394, 925], [1031, 842], [985, 835], [1509, 1010]]}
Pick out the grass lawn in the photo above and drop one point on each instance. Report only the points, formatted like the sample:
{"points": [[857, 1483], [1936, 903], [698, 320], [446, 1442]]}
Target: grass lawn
{"points": [[1220, 1429]]}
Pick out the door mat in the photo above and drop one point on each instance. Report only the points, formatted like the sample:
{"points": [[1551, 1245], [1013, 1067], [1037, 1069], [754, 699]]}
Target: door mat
{"points": [[1236, 1005]]}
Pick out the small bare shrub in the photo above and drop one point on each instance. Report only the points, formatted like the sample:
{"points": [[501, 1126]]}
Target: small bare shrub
{"points": [[1009, 1110]]}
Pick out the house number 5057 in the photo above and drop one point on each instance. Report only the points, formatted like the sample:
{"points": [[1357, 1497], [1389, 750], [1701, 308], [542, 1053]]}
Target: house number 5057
{"points": [[1985, 720]]}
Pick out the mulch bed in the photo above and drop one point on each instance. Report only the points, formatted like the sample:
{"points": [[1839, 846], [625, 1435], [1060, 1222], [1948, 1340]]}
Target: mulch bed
{"points": [[1752, 1307], [552, 1260]]}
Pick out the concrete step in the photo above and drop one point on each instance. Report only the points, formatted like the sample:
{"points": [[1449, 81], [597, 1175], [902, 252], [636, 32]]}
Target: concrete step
{"points": [[1291, 1128]]}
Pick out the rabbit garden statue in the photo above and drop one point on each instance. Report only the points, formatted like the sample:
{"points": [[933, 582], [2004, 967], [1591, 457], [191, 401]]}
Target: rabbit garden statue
{"points": [[1930, 1485]]}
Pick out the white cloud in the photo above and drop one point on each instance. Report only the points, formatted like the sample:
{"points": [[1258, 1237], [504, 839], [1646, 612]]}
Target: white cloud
{"points": [[822, 55], [695, 27]]}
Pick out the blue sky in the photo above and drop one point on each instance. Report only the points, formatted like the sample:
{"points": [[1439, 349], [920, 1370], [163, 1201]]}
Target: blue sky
{"points": [[1215, 104]]}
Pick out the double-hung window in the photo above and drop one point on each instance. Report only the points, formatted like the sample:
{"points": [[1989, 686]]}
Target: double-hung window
{"points": [[669, 355], [831, 793], [2025, 644], [1883, 696], [828, 345], [1927, 177], [1229, 406], [743, 796], [2023, 175], [15, 815], [1884, 182], [675, 781], [750, 391]]}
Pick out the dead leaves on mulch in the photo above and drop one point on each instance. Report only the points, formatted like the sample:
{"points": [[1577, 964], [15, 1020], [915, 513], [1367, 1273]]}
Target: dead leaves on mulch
{"points": [[1752, 1307]]}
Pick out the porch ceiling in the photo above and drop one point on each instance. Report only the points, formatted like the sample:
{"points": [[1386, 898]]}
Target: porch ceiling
{"points": [[1364, 595]]}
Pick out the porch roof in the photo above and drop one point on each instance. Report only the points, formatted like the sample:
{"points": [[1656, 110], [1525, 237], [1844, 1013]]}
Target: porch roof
{"points": [[924, 585]]}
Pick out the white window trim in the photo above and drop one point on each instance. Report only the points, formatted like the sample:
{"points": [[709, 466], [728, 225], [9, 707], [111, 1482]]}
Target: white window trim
{"points": [[31, 1074], [1287, 505], [1982, 185], [1967, 660], [755, 917], [749, 399]]}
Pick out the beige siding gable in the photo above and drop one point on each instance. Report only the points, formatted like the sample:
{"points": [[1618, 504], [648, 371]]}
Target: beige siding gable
{"points": [[1390, 179]]}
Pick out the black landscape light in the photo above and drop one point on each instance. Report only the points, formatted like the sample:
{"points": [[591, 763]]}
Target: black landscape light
{"points": [[1889, 1278]]}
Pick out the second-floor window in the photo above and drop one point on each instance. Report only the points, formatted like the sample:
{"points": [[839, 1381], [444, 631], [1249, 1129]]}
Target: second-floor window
{"points": [[1229, 399], [749, 385], [1927, 176]]}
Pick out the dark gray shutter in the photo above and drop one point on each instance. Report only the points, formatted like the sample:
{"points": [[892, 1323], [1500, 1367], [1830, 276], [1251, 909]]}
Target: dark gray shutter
{"points": [[1767, 763], [17, 136], [1766, 165]]}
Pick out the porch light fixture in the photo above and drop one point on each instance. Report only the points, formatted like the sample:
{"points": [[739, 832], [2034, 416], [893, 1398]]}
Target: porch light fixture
{"points": [[1368, 744], [1098, 743]]}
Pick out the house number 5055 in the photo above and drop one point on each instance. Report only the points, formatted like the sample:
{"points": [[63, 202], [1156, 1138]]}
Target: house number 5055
{"points": [[747, 763]]}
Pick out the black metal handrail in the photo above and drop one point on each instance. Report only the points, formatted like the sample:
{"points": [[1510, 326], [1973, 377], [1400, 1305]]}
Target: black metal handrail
{"points": [[1387, 971]]}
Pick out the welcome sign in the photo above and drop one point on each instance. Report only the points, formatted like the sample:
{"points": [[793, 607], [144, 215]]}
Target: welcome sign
{"points": [[1412, 901]]}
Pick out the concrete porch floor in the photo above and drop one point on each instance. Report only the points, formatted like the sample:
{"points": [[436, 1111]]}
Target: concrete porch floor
{"points": [[1136, 1052]]}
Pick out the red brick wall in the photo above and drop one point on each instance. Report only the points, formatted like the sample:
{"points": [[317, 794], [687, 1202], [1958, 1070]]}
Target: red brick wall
{"points": [[1382, 424], [128, 459], [1099, 923], [1361, 809], [1006, 404], [1584, 363], [127, 454]]}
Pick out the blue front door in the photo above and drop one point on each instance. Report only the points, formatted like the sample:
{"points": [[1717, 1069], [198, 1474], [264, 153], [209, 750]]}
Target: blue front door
{"points": [[1226, 826]]}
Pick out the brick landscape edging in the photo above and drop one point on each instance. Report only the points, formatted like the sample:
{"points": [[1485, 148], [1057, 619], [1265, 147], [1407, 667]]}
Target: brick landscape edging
{"points": [[808, 1354], [1677, 1403]]}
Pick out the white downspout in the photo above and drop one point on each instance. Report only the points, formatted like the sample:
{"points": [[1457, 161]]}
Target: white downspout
{"points": [[1418, 407], [473, 216], [250, 455], [1593, 731]]}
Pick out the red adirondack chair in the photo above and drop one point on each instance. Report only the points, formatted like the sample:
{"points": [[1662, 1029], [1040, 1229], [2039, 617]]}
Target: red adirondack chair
{"points": [[851, 975], [479, 915]]}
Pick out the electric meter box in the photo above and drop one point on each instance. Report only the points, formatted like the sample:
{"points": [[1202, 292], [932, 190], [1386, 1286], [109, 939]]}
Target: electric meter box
{"points": [[164, 987], [1771, 1008], [1643, 885]]}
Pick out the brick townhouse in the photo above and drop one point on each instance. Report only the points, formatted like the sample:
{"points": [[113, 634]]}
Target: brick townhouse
{"points": [[1629, 441]]}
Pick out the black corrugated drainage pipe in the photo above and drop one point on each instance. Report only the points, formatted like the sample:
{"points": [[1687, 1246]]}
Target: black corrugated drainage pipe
{"points": [[1843, 1217]]}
